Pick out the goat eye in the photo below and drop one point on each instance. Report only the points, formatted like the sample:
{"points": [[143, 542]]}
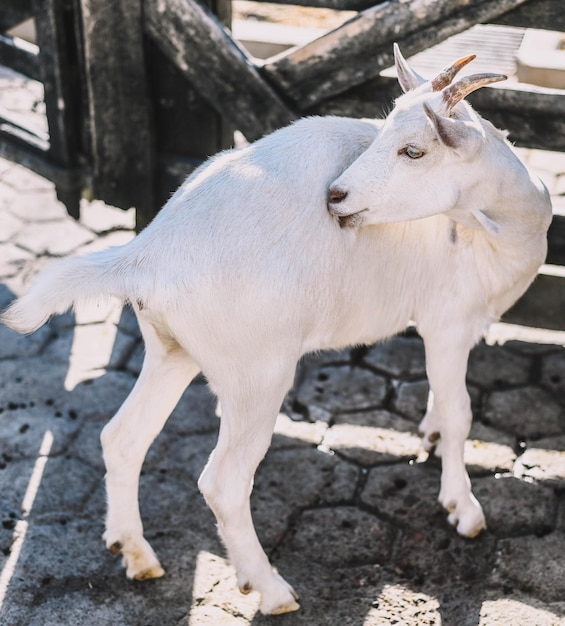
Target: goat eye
{"points": [[412, 152]]}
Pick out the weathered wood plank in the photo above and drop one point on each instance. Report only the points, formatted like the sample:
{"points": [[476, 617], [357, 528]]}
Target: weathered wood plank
{"points": [[187, 128], [20, 56], [120, 119], [362, 47], [12, 12], [556, 242], [198, 44], [541, 306], [56, 55], [545, 14], [534, 116], [11, 126], [20, 149], [337, 5]]}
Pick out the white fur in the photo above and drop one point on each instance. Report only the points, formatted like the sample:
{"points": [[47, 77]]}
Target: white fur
{"points": [[245, 270]]}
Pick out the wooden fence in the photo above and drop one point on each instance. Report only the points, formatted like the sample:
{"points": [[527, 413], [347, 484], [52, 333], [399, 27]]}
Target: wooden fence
{"points": [[139, 92]]}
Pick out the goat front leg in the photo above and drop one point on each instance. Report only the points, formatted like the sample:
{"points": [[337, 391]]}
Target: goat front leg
{"points": [[166, 372], [446, 427], [247, 423]]}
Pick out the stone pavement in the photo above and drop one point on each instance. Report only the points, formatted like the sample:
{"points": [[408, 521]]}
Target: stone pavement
{"points": [[345, 501]]}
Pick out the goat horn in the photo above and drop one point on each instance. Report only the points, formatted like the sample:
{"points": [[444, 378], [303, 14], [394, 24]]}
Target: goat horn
{"points": [[462, 88], [448, 74]]}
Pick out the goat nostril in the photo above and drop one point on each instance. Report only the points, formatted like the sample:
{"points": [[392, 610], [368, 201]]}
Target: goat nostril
{"points": [[337, 195]]}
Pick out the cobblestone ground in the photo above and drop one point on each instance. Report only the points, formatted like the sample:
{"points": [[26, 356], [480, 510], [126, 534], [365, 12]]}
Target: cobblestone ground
{"points": [[345, 501]]}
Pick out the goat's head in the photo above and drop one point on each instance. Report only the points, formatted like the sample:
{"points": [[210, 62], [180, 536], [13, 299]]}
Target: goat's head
{"points": [[421, 163]]}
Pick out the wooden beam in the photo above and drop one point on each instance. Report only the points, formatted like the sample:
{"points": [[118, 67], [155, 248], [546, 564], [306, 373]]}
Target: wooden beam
{"points": [[362, 47], [17, 148], [119, 107], [534, 116], [336, 5], [11, 126], [19, 56], [547, 14], [544, 14], [13, 12], [556, 241], [198, 44]]}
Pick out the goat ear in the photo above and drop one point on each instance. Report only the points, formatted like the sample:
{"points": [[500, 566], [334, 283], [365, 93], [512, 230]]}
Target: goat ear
{"points": [[452, 133], [407, 77]]}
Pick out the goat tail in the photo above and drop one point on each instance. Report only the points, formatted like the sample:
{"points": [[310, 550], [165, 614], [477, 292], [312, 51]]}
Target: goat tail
{"points": [[65, 283]]}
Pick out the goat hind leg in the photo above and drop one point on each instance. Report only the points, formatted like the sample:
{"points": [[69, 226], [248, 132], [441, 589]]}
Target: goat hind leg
{"points": [[166, 372], [245, 433]]}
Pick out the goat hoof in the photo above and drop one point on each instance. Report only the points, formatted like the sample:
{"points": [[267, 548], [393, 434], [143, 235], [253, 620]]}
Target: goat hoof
{"points": [[245, 589], [149, 573], [287, 608], [116, 548], [468, 528]]}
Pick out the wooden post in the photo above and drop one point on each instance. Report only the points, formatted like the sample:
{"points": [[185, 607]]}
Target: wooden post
{"points": [[195, 40], [56, 56], [12, 12], [121, 132]]}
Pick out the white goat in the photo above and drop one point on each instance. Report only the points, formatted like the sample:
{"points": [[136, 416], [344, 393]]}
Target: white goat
{"points": [[311, 238]]}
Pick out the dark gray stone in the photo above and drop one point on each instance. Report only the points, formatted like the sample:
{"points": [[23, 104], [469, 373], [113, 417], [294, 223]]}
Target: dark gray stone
{"points": [[535, 565], [515, 507], [400, 357], [493, 366], [14, 345], [405, 493], [527, 412], [411, 399], [553, 375], [342, 388], [340, 537]]}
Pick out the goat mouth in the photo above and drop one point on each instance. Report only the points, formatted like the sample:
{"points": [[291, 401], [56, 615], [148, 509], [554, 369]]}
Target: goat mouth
{"points": [[351, 221]]}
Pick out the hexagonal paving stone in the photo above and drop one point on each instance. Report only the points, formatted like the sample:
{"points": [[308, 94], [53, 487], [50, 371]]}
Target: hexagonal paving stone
{"points": [[13, 344], [26, 181], [56, 238], [37, 207], [399, 357], [411, 399], [342, 388], [542, 461], [340, 537], [433, 553], [494, 366], [515, 507], [489, 449], [289, 480], [405, 493], [373, 437], [519, 609], [526, 412], [9, 226], [100, 217], [535, 564], [553, 374], [12, 259]]}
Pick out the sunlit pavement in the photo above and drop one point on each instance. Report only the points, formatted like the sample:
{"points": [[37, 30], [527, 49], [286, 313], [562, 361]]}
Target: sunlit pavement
{"points": [[345, 502]]}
